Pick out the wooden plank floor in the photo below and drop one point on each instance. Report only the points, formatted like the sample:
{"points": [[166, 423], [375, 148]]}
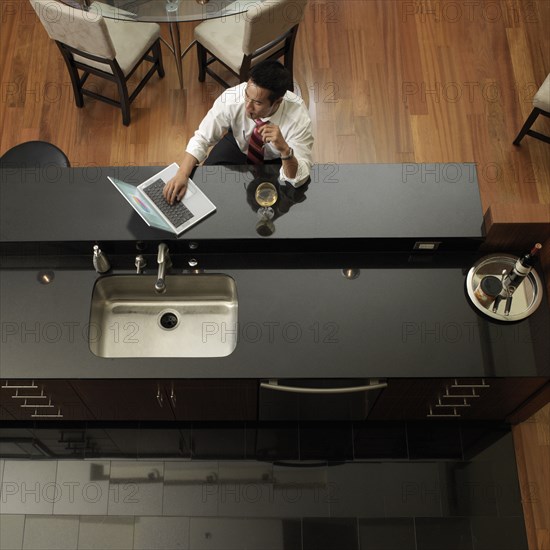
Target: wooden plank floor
{"points": [[386, 81], [532, 444]]}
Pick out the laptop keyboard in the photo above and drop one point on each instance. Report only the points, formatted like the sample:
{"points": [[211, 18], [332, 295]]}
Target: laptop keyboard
{"points": [[177, 213]]}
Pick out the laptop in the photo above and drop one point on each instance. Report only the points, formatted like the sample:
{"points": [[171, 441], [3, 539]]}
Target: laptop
{"points": [[147, 200]]}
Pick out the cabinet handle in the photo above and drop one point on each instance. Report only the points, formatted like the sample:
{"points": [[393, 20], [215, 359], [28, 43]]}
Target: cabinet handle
{"points": [[274, 385], [7, 386], [482, 385], [160, 398], [37, 405], [440, 404], [448, 395], [444, 415], [173, 397], [41, 396], [58, 415]]}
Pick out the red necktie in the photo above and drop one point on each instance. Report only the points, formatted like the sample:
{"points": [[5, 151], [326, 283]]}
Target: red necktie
{"points": [[255, 153]]}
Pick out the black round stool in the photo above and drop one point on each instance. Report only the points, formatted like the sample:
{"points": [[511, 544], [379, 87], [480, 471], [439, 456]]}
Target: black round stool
{"points": [[34, 153]]}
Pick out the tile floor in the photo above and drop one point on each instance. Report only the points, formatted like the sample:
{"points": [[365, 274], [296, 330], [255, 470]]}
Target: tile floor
{"points": [[468, 500]]}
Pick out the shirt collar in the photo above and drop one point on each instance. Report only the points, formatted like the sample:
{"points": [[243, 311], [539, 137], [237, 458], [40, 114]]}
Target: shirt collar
{"points": [[275, 118]]}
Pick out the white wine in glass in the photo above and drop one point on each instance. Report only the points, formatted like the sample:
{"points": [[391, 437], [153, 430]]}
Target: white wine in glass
{"points": [[266, 194]]}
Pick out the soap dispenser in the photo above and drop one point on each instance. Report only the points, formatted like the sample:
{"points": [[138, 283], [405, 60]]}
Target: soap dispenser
{"points": [[101, 263]]}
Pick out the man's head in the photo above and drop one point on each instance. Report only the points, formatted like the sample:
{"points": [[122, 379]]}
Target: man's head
{"points": [[268, 82]]}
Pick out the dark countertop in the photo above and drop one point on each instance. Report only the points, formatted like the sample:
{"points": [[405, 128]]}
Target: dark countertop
{"points": [[406, 315], [367, 204], [408, 321]]}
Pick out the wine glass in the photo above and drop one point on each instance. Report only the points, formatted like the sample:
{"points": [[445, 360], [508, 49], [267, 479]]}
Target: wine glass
{"points": [[172, 5], [266, 196]]}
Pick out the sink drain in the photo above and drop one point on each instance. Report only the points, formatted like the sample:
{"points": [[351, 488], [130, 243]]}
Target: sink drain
{"points": [[169, 320]]}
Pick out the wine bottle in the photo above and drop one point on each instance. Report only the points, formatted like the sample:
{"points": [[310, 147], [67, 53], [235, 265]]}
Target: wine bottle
{"points": [[521, 269]]}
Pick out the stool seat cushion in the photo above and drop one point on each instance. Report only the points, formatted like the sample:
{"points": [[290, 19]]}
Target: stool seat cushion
{"points": [[34, 153], [542, 97]]}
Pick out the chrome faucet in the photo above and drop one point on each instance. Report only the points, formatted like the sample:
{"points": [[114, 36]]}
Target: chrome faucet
{"points": [[100, 261], [140, 264], [164, 261]]}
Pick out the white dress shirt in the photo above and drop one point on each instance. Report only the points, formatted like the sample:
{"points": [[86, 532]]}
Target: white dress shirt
{"points": [[229, 111]]}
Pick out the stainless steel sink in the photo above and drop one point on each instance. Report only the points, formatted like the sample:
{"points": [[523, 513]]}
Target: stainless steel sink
{"points": [[195, 317]]}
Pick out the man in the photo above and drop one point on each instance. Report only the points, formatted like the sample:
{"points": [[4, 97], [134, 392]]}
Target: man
{"points": [[262, 121]]}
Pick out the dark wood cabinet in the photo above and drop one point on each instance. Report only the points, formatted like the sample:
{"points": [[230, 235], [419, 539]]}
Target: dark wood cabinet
{"points": [[125, 399], [212, 400], [10, 400], [67, 401], [465, 398], [157, 400], [5, 414], [240, 400], [42, 400]]}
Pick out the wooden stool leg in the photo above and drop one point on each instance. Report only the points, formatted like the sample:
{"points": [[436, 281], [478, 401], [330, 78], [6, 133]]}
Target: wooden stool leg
{"points": [[123, 93], [528, 123], [158, 59], [201, 58], [73, 73], [124, 103]]}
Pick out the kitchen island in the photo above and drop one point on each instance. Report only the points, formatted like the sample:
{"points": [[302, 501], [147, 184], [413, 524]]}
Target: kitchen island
{"points": [[341, 290]]}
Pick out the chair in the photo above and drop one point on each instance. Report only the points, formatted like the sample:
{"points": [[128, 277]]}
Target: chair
{"points": [[110, 49], [541, 106], [34, 153], [266, 31]]}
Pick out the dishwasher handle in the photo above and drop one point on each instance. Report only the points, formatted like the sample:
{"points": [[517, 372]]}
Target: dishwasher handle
{"points": [[274, 385]]}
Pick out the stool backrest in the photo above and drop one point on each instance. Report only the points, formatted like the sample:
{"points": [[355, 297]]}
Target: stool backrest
{"points": [[267, 21], [79, 29]]}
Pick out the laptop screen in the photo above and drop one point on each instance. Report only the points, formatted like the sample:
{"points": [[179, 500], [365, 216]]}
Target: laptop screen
{"points": [[140, 204]]}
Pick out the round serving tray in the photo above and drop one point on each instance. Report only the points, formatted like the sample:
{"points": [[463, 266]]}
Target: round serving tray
{"points": [[526, 299]]}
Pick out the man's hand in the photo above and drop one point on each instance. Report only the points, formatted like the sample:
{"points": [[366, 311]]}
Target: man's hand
{"points": [[271, 133], [175, 189]]}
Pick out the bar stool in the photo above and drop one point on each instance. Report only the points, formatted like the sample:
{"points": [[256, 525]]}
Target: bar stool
{"points": [[266, 31], [34, 153], [541, 104], [109, 49]]}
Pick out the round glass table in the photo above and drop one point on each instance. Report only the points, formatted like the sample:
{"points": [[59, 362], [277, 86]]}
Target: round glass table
{"points": [[166, 11]]}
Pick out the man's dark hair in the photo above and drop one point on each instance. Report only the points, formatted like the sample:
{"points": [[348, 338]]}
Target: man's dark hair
{"points": [[272, 76]]}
